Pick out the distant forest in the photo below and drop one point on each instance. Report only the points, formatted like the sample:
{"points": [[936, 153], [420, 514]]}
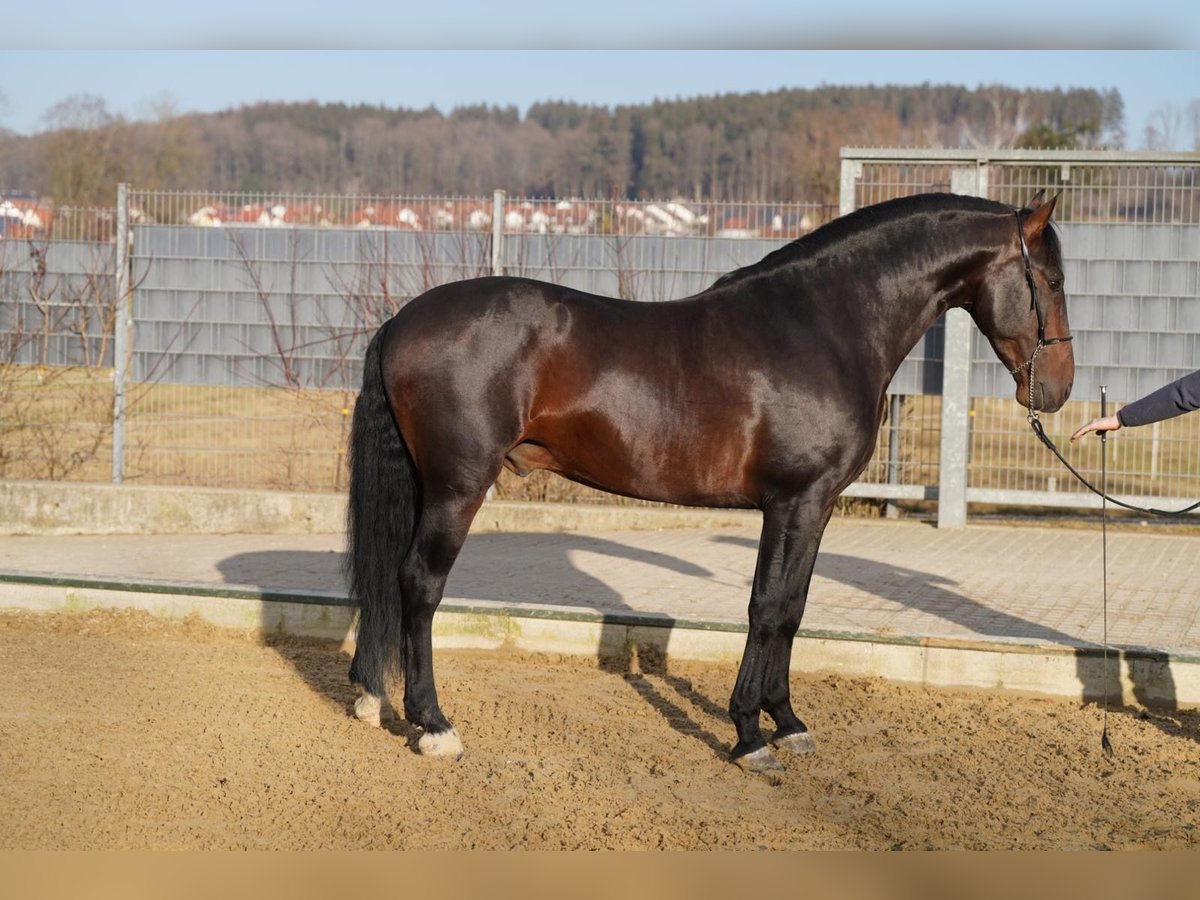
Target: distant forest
{"points": [[778, 146]]}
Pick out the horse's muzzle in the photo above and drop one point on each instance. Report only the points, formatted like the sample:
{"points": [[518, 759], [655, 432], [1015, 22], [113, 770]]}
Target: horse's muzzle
{"points": [[1047, 397]]}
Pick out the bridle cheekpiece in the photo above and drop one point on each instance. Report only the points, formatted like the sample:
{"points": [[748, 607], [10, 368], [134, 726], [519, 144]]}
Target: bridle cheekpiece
{"points": [[1036, 306]]}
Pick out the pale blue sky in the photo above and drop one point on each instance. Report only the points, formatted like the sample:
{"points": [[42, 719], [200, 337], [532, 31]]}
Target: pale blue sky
{"points": [[220, 54]]}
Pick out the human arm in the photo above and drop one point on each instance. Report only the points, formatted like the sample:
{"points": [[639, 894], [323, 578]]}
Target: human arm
{"points": [[1172, 400]]}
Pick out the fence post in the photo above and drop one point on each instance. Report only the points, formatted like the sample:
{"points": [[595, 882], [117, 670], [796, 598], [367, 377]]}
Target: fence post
{"points": [[498, 232], [851, 173], [122, 333], [956, 401], [956, 389]]}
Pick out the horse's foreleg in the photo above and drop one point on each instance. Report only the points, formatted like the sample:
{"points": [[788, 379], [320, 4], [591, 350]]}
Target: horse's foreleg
{"points": [[787, 551], [439, 537], [791, 733]]}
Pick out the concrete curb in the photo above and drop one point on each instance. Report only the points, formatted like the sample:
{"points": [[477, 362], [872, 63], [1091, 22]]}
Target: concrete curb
{"points": [[642, 641], [50, 508]]}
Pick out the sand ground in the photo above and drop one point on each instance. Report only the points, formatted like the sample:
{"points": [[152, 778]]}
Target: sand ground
{"points": [[119, 730]]}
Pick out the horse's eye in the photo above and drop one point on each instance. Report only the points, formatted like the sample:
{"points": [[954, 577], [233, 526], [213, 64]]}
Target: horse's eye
{"points": [[1056, 284]]}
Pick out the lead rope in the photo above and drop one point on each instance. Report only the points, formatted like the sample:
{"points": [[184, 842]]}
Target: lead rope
{"points": [[1105, 743], [1040, 433]]}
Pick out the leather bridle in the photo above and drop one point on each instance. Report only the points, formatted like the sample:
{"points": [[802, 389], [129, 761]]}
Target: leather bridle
{"points": [[1035, 304]]}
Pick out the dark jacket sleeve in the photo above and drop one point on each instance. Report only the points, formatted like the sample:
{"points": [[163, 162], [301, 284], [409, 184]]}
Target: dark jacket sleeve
{"points": [[1174, 399]]}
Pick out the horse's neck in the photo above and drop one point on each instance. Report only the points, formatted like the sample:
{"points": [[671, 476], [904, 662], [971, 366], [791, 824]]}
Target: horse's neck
{"points": [[892, 311]]}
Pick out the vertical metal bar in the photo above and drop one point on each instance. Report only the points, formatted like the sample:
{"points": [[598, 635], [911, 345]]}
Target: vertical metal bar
{"points": [[893, 465], [123, 327], [1155, 438], [497, 262], [498, 232]]}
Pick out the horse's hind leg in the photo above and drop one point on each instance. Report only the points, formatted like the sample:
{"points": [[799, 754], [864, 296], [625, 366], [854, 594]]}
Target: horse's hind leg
{"points": [[440, 533], [368, 677]]}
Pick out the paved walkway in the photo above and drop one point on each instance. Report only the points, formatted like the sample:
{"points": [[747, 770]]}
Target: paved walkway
{"points": [[1032, 585]]}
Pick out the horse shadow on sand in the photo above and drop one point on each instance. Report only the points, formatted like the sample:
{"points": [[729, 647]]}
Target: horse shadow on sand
{"points": [[1098, 673], [506, 568], [542, 569]]}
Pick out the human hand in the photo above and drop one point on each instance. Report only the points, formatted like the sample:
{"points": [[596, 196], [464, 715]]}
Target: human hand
{"points": [[1104, 423]]}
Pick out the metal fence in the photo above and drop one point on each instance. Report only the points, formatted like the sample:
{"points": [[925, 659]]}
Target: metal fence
{"points": [[253, 312], [222, 347], [234, 348]]}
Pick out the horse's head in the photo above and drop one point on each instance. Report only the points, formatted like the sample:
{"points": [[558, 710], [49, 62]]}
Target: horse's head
{"points": [[1022, 308]]}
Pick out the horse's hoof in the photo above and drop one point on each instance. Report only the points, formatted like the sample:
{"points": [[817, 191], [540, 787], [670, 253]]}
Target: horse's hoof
{"points": [[800, 743], [440, 743], [368, 709], [761, 762]]}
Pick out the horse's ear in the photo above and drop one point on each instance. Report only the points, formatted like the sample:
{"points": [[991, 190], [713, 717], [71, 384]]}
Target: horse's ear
{"points": [[1035, 223], [1036, 201]]}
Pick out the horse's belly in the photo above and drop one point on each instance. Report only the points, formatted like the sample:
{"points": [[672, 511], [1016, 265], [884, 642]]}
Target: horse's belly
{"points": [[650, 466]]}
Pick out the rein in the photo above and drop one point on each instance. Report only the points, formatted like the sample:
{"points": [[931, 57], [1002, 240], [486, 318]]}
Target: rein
{"points": [[1034, 422]]}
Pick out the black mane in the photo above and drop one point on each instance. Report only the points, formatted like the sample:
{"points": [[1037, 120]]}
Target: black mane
{"points": [[860, 220]]}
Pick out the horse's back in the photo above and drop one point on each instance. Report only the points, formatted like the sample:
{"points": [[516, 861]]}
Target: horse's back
{"points": [[499, 322]]}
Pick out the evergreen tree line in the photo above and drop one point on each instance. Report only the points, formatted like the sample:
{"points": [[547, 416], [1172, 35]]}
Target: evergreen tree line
{"points": [[779, 146]]}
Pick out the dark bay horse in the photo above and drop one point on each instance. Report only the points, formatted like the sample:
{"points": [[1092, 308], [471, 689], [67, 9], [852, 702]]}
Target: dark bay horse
{"points": [[764, 391]]}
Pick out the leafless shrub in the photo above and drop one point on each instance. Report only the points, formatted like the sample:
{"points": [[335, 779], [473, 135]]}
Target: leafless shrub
{"points": [[56, 334]]}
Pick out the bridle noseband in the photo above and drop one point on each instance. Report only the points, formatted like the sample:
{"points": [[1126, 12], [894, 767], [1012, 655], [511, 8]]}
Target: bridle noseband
{"points": [[1035, 305]]}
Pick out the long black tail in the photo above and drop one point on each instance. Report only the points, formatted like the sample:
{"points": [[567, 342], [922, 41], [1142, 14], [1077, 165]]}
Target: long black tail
{"points": [[381, 517]]}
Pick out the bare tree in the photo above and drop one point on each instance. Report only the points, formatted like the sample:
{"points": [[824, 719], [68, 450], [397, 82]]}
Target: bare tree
{"points": [[170, 150], [83, 151], [1008, 120], [1163, 128], [55, 383]]}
